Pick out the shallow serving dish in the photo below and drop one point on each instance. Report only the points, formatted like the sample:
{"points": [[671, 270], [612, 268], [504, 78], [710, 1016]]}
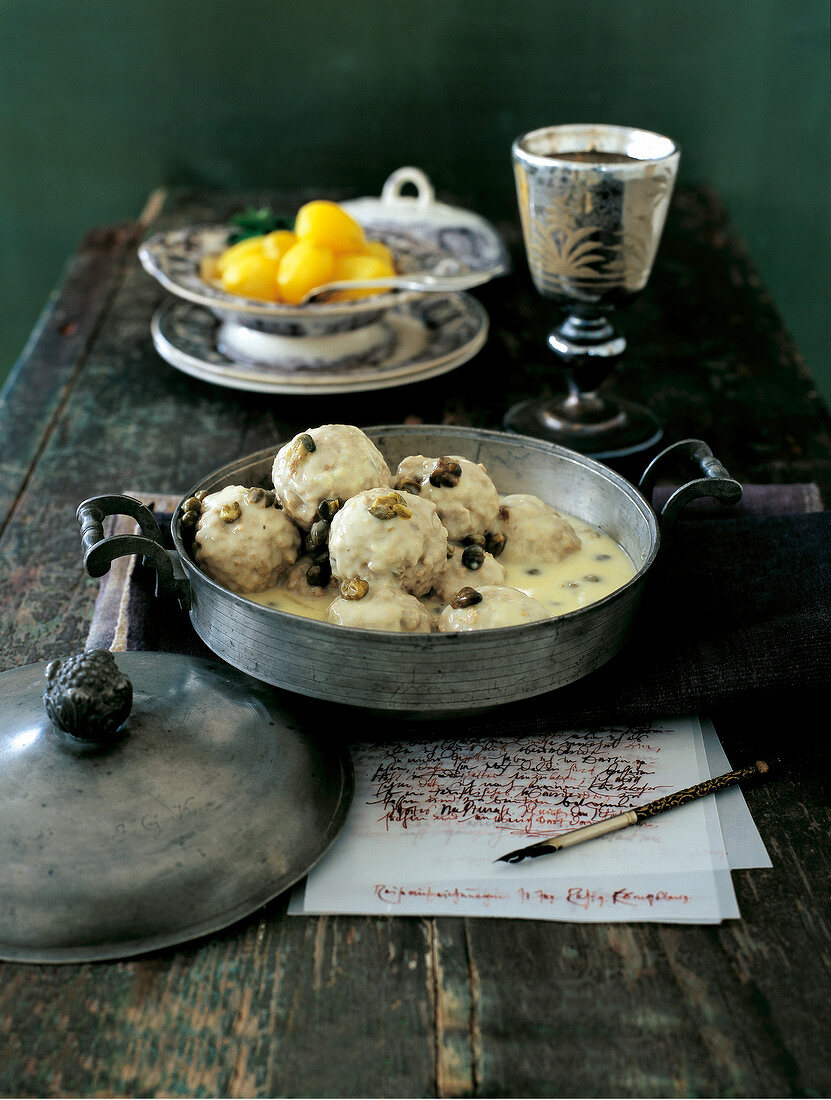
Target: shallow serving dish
{"points": [[424, 673], [424, 235]]}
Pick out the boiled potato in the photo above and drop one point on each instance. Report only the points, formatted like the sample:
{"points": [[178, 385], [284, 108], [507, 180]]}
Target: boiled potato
{"points": [[376, 248], [359, 266], [250, 246], [305, 266], [327, 224], [251, 274], [277, 244]]}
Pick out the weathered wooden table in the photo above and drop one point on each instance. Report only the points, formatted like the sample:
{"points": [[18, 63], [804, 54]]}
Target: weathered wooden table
{"points": [[407, 1007]]}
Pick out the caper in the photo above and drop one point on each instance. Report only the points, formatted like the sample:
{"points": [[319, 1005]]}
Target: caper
{"points": [[592, 578], [230, 512], [504, 512], [446, 472], [408, 484], [192, 504], [466, 597], [474, 540], [201, 494], [533, 572], [319, 553], [354, 589], [190, 518], [473, 557], [389, 506], [570, 584], [327, 508], [495, 543], [318, 536], [602, 557], [319, 574]]}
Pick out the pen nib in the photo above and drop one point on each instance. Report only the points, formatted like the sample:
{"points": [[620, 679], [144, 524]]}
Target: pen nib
{"points": [[533, 850], [511, 857]]}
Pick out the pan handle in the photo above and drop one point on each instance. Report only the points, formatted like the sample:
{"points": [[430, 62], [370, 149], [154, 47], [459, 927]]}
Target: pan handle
{"points": [[101, 551], [716, 481]]}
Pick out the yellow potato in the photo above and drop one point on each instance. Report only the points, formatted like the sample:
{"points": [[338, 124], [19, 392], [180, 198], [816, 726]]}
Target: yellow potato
{"points": [[275, 245], [251, 275], [327, 224], [376, 248], [360, 265], [251, 245], [283, 266], [305, 266]]}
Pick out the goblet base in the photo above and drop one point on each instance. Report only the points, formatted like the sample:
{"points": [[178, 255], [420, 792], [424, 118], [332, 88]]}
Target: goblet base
{"points": [[624, 429]]}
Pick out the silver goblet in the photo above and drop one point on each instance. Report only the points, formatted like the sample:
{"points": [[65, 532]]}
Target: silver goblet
{"points": [[593, 201]]}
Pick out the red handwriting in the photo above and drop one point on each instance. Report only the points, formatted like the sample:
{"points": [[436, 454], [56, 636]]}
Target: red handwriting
{"points": [[580, 896], [395, 895], [533, 786], [585, 898]]}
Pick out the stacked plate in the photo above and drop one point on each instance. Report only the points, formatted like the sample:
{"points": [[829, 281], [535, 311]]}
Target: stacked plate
{"points": [[390, 339]]}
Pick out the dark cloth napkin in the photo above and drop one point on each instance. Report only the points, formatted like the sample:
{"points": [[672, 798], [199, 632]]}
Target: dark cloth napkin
{"points": [[734, 610], [737, 607]]}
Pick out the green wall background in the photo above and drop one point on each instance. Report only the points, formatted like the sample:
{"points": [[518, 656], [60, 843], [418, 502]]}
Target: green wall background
{"points": [[101, 101]]}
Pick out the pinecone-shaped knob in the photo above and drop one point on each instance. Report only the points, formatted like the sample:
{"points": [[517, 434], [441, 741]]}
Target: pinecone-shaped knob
{"points": [[87, 695]]}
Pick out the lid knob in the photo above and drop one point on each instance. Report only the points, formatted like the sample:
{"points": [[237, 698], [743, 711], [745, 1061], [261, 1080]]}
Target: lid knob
{"points": [[87, 695]]}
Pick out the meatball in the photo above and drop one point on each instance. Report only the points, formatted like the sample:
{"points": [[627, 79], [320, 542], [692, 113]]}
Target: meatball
{"points": [[334, 460], [497, 606], [468, 565], [296, 580], [534, 531], [388, 537], [382, 608], [466, 498], [242, 541]]}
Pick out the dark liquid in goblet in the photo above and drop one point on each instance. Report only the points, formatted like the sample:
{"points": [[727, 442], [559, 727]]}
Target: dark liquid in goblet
{"points": [[596, 156]]}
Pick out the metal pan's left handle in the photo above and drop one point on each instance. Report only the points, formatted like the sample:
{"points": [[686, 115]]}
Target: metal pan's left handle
{"points": [[101, 550]]}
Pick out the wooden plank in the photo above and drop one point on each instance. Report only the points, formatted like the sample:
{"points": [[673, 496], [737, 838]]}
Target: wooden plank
{"points": [[54, 356], [273, 1007]]}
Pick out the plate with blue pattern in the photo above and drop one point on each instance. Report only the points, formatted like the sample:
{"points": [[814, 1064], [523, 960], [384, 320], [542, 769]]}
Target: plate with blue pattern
{"points": [[425, 337]]}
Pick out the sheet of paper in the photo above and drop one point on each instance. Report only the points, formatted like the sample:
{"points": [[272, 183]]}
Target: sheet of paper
{"points": [[429, 819], [745, 847]]}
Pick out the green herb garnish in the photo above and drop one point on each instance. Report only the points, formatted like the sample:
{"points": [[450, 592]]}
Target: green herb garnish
{"points": [[253, 222]]}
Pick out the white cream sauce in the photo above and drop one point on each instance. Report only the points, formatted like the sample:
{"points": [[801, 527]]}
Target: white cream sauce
{"points": [[599, 567]]}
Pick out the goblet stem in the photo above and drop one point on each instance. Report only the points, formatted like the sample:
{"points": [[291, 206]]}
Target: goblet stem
{"points": [[588, 349]]}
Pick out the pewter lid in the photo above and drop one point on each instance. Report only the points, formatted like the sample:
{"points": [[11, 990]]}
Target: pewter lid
{"points": [[213, 799]]}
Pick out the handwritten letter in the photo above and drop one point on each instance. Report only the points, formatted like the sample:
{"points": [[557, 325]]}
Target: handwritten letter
{"points": [[430, 818]]}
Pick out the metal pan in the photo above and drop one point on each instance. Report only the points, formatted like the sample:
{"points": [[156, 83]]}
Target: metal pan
{"points": [[427, 674]]}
